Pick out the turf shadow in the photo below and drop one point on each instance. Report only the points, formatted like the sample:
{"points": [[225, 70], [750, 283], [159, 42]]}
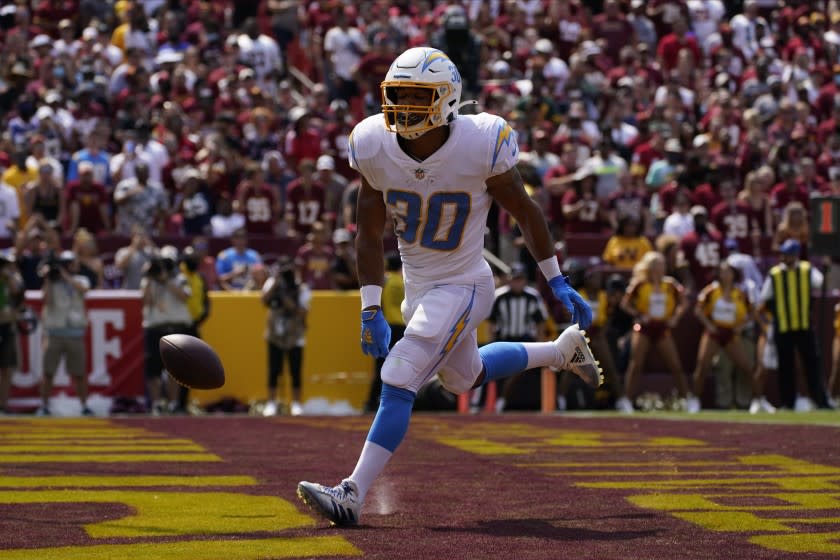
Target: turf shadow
{"points": [[553, 529]]}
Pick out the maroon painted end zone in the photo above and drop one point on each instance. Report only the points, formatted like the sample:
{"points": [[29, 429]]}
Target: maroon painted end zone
{"points": [[476, 487]]}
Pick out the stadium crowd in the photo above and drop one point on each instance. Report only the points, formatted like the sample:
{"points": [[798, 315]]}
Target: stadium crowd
{"points": [[697, 129]]}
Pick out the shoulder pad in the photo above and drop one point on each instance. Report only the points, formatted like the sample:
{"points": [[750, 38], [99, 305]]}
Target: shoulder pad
{"points": [[365, 140]]}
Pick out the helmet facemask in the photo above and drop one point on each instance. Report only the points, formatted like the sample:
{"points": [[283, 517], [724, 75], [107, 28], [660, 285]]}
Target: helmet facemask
{"points": [[412, 121]]}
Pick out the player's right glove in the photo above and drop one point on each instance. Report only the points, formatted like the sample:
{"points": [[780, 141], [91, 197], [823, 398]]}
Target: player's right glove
{"points": [[577, 306], [376, 333]]}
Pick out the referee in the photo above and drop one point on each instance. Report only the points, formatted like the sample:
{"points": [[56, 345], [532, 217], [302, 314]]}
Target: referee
{"points": [[518, 315], [786, 294]]}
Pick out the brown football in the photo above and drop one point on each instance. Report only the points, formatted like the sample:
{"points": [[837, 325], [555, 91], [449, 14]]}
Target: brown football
{"points": [[191, 362]]}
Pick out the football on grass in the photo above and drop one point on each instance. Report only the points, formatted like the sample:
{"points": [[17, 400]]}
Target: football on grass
{"points": [[191, 362]]}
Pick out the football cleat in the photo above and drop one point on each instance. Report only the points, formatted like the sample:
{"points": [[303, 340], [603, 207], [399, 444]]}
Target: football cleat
{"points": [[576, 356], [340, 504]]}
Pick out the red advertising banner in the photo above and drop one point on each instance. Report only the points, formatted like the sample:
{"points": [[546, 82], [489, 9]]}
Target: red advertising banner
{"points": [[114, 342]]}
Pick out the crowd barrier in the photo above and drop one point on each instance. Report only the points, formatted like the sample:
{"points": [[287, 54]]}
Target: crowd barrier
{"points": [[334, 367]]}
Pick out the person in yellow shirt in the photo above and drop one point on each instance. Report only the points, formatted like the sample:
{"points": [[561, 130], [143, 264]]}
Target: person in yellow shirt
{"points": [[724, 309], [17, 176], [198, 304], [393, 293], [592, 290], [656, 302], [627, 246]]}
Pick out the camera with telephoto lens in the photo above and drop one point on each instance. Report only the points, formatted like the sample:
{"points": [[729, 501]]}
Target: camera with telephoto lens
{"points": [[161, 267], [54, 264]]}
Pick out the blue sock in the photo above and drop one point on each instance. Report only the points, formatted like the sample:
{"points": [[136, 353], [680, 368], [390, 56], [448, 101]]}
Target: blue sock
{"points": [[503, 359], [391, 422]]}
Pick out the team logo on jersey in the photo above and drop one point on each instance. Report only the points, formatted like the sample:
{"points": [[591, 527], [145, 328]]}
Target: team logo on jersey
{"points": [[419, 173]]}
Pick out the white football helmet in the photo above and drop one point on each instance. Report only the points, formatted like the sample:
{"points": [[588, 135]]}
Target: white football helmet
{"points": [[421, 67]]}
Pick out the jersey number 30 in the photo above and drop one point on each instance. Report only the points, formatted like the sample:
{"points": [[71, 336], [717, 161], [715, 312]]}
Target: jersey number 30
{"points": [[450, 208]]}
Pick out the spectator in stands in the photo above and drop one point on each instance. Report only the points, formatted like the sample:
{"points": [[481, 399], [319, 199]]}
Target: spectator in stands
{"points": [[17, 176], [607, 166], [132, 260], [44, 196], [732, 217], [234, 263], [87, 202], [755, 196], [789, 190], [724, 309], [11, 294], [314, 260], [87, 259], [64, 320], [305, 201], [192, 204], [680, 222], [225, 221], [344, 265], [92, 154], [657, 303], [139, 201], [627, 246], [344, 45], [165, 311], [581, 210], [702, 249], [793, 225], [258, 202], [333, 184], [288, 302]]}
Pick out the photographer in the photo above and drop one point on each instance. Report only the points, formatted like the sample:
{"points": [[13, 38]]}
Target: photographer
{"points": [[288, 303], [64, 321], [11, 292], [165, 311]]}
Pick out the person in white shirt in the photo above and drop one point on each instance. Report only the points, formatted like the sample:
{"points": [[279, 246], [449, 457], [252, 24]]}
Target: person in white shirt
{"points": [[705, 17], [345, 46], [226, 221], [744, 29], [9, 211], [681, 221], [262, 53]]}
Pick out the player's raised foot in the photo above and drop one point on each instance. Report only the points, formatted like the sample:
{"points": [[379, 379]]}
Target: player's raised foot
{"points": [[576, 356], [340, 504]]}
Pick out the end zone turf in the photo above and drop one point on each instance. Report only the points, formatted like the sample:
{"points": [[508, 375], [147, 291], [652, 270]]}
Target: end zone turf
{"points": [[582, 486]]}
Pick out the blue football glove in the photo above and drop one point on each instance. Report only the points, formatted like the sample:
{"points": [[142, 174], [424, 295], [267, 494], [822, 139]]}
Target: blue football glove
{"points": [[376, 333], [577, 306]]}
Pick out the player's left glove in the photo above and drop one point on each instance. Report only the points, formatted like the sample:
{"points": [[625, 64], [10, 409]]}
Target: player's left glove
{"points": [[577, 306], [376, 333]]}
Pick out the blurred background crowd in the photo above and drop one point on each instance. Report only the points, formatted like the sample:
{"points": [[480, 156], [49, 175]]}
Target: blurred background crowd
{"points": [[698, 128]]}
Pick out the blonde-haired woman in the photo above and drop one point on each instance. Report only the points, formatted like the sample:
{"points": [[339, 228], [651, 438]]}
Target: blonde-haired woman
{"points": [[793, 225], [656, 302], [724, 309], [87, 252], [755, 193]]}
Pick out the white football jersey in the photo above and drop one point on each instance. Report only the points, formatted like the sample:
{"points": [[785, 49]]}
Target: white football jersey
{"points": [[440, 205]]}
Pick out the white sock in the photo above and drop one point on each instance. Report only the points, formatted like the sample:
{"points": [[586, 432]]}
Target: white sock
{"points": [[541, 354], [372, 461]]}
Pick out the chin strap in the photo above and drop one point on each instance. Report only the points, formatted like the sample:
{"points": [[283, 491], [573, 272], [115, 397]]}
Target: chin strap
{"points": [[465, 103]]}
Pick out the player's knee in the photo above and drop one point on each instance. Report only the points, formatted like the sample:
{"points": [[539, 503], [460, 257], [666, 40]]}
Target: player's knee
{"points": [[398, 372]]}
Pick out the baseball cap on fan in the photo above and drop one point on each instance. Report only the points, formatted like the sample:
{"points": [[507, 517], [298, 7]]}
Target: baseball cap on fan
{"points": [[325, 163]]}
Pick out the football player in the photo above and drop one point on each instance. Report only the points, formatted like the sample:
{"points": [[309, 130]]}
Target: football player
{"points": [[437, 174]]}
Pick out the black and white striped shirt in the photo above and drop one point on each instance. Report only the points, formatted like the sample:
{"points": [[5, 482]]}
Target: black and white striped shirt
{"points": [[517, 315]]}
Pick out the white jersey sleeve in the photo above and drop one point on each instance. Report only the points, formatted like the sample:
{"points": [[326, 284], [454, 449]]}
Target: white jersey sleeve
{"points": [[503, 151], [365, 144]]}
